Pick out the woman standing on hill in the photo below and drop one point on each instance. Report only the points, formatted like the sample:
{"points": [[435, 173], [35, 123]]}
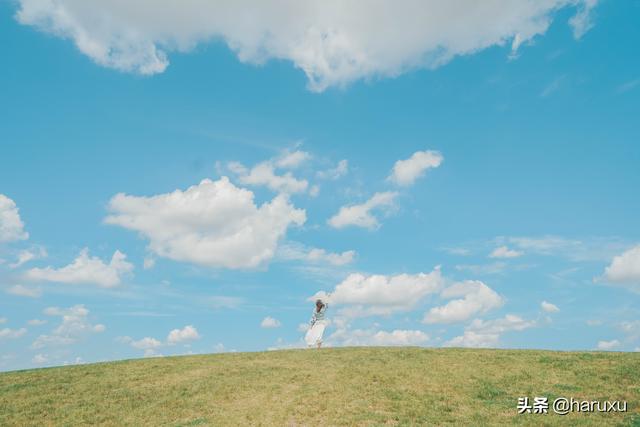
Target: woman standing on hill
{"points": [[318, 323]]}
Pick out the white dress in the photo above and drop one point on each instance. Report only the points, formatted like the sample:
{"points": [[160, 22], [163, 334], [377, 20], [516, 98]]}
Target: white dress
{"points": [[318, 324]]}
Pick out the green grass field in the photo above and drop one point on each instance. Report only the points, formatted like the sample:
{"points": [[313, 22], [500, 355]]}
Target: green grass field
{"points": [[340, 386]]}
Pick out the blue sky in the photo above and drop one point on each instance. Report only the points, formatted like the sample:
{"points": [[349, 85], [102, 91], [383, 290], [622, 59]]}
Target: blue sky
{"points": [[471, 185]]}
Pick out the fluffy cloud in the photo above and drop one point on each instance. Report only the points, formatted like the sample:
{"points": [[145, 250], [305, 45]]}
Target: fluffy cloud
{"points": [[334, 42], [481, 333], [315, 255], [382, 295], [625, 269], [270, 322], [477, 298], [264, 174], [360, 215], [151, 345], [186, 334], [608, 345], [86, 270], [504, 252], [405, 172], [213, 223], [11, 226], [12, 333], [358, 337], [548, 307], [146, 343], [73, 327]]}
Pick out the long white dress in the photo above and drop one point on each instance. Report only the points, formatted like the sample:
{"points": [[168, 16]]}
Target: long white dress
{"points": [[318, 324], [315, 332]]}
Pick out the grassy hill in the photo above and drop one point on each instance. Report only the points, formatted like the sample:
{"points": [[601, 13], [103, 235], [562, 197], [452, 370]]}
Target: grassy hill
{"points": [[340, 386]]}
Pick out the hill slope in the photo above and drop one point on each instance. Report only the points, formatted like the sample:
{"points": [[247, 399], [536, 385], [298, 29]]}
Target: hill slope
{"points": [[340, 386]]}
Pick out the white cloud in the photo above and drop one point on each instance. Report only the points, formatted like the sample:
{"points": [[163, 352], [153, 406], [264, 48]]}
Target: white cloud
{"points": [[341, 169], [334, 42], [299, 252], [370, 337], [314, 191], [270, 322], [186, 334], [39, 359], [477, 298], [382, 295], [582, 21], [544, 244], [27, 255], [73, 327], [36, 322], [474, 340], [11, 226], [548, 307], [303, 327], [149, 345], [608, 345], [264, 174], [405, 172], [360, 215], [625, 269], [146, 343], [148, 263], [592, 249], [77, 361], [12, 333], [292, 159], [504, 252], [86, 270], [486, 333], [24, 291], [213, 224]]}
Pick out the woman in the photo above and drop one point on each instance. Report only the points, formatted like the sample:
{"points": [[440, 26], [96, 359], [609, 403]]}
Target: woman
{"points": [[318, 323]]}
